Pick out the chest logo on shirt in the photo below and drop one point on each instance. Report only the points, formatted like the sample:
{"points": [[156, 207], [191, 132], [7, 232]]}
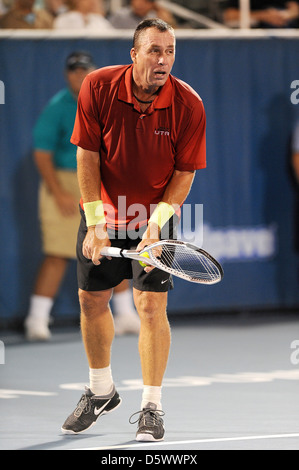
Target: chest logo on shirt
{"points": [[162, 131]]}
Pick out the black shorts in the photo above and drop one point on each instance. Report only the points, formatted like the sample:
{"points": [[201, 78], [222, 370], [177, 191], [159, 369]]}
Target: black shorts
{"points": [[112, 272]]}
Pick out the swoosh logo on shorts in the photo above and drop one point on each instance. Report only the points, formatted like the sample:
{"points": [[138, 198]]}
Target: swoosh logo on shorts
{"points": [[163, 282]]}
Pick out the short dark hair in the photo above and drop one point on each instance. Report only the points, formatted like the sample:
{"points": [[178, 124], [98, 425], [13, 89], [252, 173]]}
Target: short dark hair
{"points": [[161, 25]]}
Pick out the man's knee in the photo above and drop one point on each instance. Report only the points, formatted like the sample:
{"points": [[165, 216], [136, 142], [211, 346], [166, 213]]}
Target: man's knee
{"points": [[150, 305], [94, 303]]}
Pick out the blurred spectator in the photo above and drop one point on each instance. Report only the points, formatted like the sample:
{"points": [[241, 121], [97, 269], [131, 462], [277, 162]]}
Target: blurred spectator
{"points": [[5, 5], [55, 7], [83, 14], [59, 193], [264, 13], [23, 15], [129, 17]]}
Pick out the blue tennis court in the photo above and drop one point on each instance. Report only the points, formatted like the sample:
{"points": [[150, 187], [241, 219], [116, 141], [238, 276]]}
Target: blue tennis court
{"points": [[230, 384]]}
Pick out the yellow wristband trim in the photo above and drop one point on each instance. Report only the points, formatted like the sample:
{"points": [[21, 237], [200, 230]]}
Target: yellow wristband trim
{"points": [[162, 214], [94, 213]]}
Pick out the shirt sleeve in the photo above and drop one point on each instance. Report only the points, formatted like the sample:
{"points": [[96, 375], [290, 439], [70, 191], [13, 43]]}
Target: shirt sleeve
{"points": [[87, 131], [191, 146], [46, 129]]}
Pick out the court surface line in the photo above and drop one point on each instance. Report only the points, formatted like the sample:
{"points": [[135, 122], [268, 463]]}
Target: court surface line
{"points": [[194, 441]]}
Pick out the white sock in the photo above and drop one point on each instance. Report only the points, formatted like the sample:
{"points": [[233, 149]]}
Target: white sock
{"points": [[100, 381], [40, 307], [151, 394], [122, 303]]}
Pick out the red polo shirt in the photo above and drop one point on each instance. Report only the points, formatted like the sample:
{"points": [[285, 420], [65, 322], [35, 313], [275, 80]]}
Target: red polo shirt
{"points": [[139, 151]]}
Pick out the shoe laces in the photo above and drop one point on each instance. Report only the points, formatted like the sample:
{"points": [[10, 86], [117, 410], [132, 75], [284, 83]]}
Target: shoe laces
{"points": [[148, 416], [84, 406]]}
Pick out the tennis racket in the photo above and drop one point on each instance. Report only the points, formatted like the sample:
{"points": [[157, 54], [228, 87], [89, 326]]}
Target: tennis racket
{"points": [[179, 258]]}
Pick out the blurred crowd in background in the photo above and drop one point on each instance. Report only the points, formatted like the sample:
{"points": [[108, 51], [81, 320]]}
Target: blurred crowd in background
{"points": [[126, 14]]}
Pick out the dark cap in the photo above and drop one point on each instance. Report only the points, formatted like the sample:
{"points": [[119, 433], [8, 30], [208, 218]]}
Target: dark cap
{"points": [[79, 60]]}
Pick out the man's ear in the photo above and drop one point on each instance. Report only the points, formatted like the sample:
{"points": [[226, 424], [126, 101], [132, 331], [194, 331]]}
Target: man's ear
{"points": [[133, 54]]}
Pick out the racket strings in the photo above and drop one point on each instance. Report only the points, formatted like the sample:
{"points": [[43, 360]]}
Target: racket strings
{"points": [[188, 262], [195, 261]]}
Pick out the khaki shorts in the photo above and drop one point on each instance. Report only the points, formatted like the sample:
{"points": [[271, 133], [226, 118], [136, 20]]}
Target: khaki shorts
{"points": [[59, 233]]}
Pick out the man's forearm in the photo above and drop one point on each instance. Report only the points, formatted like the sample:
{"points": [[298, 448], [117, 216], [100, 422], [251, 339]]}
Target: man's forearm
{"points": [[178, 188], [89, 176], [175, 194]]}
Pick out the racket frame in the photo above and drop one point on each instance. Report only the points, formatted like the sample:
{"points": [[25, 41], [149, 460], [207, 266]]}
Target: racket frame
{"points": [[152, 261]]}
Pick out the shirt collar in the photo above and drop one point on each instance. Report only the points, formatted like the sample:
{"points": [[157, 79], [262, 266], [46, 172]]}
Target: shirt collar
{"points": [[125, 92]]}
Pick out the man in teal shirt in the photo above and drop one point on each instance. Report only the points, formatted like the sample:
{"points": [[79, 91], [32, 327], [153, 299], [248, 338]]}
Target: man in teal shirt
{"points": [[54, 124]]}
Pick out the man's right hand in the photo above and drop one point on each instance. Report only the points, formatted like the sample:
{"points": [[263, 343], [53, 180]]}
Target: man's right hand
{"points": [[96, 239]]}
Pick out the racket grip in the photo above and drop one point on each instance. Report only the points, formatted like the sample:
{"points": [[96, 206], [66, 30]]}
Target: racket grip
{"points": [[111, 251]]}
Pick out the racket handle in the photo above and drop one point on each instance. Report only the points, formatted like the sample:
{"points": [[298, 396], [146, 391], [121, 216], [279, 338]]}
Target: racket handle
{"points": [[111, 251]]}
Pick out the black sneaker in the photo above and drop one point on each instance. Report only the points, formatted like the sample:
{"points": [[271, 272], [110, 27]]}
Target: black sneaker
{"points": [[89, 408], [150, 424]]}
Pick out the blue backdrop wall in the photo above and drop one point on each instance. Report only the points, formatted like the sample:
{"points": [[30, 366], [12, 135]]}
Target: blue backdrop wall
{"points": [[246, 190]]}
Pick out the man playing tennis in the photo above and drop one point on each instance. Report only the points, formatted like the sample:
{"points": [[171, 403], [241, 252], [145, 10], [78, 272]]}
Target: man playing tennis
{"points": [[140, 134]]}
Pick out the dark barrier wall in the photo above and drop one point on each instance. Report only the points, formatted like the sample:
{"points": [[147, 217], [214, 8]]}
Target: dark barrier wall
{"points": [[246, 190]]}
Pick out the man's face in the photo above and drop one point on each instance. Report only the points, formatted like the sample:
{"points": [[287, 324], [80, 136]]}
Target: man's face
{"points": [[153, 58]]}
